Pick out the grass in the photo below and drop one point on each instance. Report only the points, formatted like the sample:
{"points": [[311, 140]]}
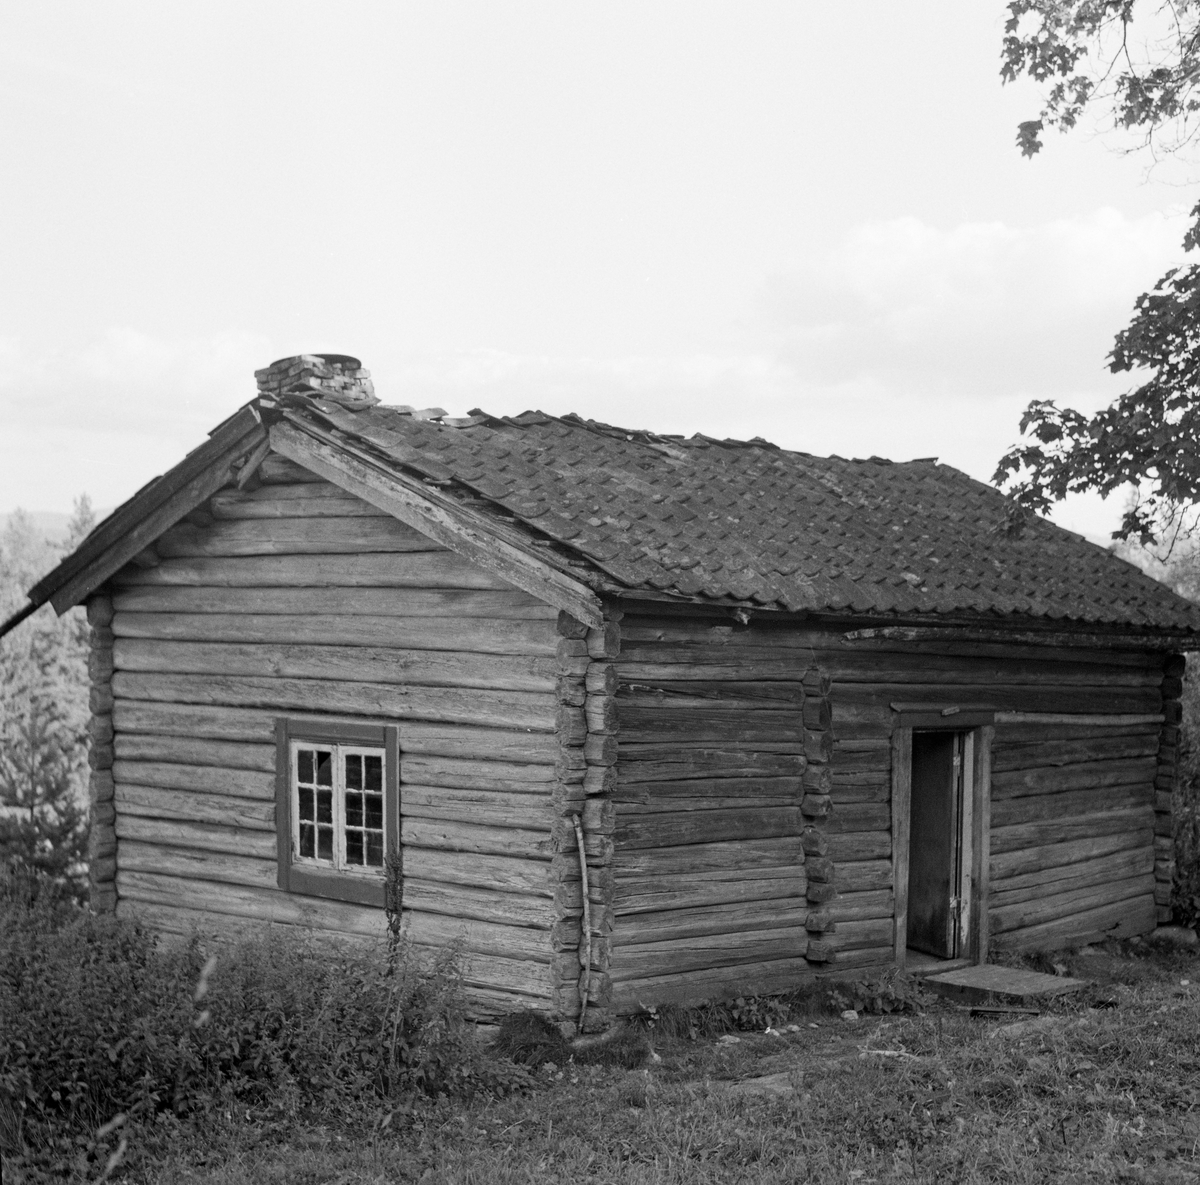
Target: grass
{"points": [[1104, 1086]]}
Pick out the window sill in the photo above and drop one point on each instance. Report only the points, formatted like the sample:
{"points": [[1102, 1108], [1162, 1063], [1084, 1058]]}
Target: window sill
{"points": [[336, 886]]}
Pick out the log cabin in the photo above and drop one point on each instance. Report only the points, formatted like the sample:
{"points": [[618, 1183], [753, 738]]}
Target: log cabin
{"points": [[633, 718]]}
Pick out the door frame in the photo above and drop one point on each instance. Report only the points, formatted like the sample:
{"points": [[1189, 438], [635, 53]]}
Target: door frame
{"points": [[979, 727]]}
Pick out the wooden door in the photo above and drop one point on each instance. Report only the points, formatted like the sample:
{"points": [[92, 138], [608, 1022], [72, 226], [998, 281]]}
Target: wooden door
{"points": [[935, 850]]}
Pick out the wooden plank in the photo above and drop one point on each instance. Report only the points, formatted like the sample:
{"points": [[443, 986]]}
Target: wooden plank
{"points": [[368, 664], [863, 906], [174, 921], [1031, 808], [416, 737], [469, 636], [476, 937], [205, 837], [847, 817], [136, 856], [468, 532], [219, 809], [982, 823], [871, 666], [860, 845], [294, 536], [260, 904], [501, 874], [174, 750], [1056, 779], [1032, 886], [199, 779], [637, 695], [643, 807], [1121, 919], [667, 763], [874, 932], [1064, 902], [279, 469], [737, 917], [500, 709], [703, 827], [1060, 700], [536, 911], [702, 891], [451, 603], [466, 837], [860, 876], [681, 795], [490, 808], [712, 727], [1057, 855], [477, 775], [718, 983], [901, 824], [418, 570], [1021, 836], [640, 863], [1043, 753], [683, 955], [318, 500]]}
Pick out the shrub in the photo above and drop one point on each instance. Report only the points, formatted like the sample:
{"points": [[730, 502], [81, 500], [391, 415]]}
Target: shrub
{"points": [[1185, 809], [96, 1018]]}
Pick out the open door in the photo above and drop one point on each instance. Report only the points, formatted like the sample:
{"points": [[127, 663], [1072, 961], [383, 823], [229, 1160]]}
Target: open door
{"points": [[939, 855]]}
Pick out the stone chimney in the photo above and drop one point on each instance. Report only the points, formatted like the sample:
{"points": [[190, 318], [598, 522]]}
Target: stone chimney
{"points": [[306, 378]]}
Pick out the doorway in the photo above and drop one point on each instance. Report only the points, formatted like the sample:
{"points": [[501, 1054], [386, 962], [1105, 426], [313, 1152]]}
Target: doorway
{"points": [[940, 842]]}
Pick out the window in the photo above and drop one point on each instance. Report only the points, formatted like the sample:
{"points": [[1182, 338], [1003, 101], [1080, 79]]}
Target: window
{"points": [[337, 808]]}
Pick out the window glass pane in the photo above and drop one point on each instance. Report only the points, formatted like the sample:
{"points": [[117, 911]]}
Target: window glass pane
{"points": [[354, 810], [354, 847], [325, 843], [374, 810], [373, 772], [324, 768], [304, 765], [305, 796], [324, 806], [307, 840], [353, 771], [375, 849]]}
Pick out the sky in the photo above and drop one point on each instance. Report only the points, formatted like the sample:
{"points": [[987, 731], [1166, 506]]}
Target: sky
{"points": [[797, 220]]}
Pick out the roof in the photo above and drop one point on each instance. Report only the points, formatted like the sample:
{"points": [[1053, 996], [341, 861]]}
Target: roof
{"points": [[749, 523], [597, 509]]}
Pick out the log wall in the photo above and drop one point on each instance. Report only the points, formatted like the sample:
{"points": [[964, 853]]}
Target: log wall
{"points": [[296, 599], [1074, 808]]}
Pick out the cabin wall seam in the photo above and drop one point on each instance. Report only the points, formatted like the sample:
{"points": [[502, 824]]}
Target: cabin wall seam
{"points": [[1164, 785], [102, 836]]}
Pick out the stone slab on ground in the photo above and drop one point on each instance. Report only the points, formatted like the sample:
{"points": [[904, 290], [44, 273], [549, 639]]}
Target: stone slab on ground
{"points": [[975, 984]]}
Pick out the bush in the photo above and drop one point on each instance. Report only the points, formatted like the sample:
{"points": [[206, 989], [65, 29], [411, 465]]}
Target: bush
{"points": [[1185, 808], [97, 1018]]}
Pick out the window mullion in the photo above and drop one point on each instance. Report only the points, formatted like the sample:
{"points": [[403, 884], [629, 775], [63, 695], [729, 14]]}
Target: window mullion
{"points": [[339, 808]]}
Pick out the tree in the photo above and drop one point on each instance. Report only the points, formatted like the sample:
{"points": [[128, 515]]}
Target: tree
{"points": [[43, 718], [1139, 61]]}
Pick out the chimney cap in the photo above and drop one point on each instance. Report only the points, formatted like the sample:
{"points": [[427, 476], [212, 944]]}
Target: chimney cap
{"points": [[347, 361]]}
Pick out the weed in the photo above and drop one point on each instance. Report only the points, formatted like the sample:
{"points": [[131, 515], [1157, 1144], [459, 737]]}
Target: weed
{"points": [[893, 991]]}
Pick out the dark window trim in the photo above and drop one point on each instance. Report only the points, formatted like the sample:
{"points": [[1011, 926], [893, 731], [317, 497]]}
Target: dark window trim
{"points": [[328, 883]]}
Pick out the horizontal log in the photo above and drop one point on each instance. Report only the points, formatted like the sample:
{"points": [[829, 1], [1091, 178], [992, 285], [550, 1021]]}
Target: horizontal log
{"points": [[858, 816], [741, 855], [740, 917], [860, 790], [258, 904], [476, 775], [857, 876], [177, 921], [712, 727], [748, 695], [489, 808], [360, 634], [667, 763], [371, 664], [277, 469], [475, 937], [536, 911], [448, 836], [1057, 855], [195, 751], [352, 535], [1043, 753], [1065, 878], [718, 983], [1020, 836], [862, 934], [1121, 919], [1060, 903], [673, 795], [702, 827], [873, 667], [684, 891], [695, 954], [221, 810], [138, 856], [499, 874], [859, 845], [862, 906], [651, 805], [416, 737], [1031, 808], [1056, 779], [500, 709], [205, 837], [293, 501], [451, 604], [420, 569]]}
